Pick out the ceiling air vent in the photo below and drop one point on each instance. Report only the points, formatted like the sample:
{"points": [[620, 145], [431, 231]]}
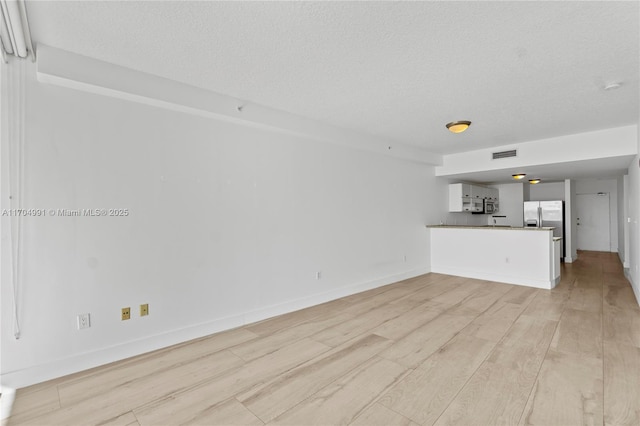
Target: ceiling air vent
{"points": [[504, 154]]}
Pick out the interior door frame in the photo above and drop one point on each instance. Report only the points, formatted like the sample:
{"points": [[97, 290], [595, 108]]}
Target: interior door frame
{"points": [[608, 227]]}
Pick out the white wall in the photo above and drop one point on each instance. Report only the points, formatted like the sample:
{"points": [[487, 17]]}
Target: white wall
{"points": [[511, 197], [610, 186], [623, 227], [570, 228], [607, 143], [228, 224], [550, 191], [634, 224]]}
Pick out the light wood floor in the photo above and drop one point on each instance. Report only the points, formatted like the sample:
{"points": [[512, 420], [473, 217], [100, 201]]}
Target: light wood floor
{"points": [[434, 349]]}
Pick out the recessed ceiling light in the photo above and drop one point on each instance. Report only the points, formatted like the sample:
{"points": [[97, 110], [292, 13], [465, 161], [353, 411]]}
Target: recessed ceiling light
{"points": [[612, 86], [458, 126], [534, 181], [518, 176]]}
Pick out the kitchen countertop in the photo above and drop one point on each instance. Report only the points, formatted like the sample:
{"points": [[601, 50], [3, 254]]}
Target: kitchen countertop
{"points": [[507, 228]]}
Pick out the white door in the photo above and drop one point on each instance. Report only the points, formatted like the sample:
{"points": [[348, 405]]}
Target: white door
{"points": [[593, 222]]}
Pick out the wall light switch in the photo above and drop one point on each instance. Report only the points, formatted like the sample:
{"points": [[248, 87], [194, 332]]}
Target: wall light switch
{"points": [[144, 310]]}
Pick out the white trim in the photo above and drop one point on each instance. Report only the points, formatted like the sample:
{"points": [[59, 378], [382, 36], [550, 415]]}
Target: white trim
{"points": [[570, 259], [508, 279], [62, 367], [634, 286]]}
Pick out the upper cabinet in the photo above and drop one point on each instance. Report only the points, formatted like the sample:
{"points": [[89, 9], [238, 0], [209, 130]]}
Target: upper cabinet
{"points": [[493, 194], [464, 197]]}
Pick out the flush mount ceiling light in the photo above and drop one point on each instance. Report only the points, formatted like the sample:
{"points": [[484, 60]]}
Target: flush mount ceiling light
{"points": [[534, 181], [518, 176], [612, 86], [458, 126]]}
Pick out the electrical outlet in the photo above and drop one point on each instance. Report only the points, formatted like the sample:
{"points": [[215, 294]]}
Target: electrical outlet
{"points": [[84, 321], [318, 275], [126, 313], [144, 310]]}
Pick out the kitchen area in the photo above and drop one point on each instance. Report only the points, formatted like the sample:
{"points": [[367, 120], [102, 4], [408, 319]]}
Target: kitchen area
{"points": [[526, 252]]}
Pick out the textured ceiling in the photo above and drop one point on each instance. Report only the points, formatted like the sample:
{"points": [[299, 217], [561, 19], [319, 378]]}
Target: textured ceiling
{"points": [[398, 70]]}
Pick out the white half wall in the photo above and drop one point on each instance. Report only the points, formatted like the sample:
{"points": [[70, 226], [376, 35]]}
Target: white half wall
{"points": [[226, 224], [514, 256]]}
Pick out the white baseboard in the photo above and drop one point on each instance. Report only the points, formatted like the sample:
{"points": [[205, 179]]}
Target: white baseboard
{"points": [[571, 259], [481, 275], [62, 367], [634, 286]]}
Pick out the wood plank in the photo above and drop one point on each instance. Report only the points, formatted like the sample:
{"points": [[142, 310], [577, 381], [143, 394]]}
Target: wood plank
{"points": [[585, 299], [267, 344], [494, 322], [377, 415], [621, 297], [270, 400], [186, 403], [498, 391], [546, 305], [229, 412], [116, 401], [281, 322], [568, 391], [432, 289], [621, 325], [126, 419], [402, 325], [592, 281], [455, 295], [481, 299], [493, 396], [343, 400], [424, 394], [520, 295], [370, 303], [360, 325], [621, 384], [580, 333], [418, 345], [161, 362], [32, 402]]}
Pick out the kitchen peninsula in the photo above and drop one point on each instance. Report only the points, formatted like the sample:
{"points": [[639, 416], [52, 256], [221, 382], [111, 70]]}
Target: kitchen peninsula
{"points": [[522, 256]]}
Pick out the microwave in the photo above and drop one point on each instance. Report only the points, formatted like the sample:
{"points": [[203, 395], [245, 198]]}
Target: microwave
{"points": [[490, 206]]}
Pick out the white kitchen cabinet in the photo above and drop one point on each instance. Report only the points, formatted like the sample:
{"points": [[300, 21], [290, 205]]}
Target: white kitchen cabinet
{"points": [[478, 192], [462, 197], [493, 194]]}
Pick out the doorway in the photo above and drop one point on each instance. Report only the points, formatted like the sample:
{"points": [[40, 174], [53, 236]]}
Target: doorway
{"points": [[593, 222]]}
